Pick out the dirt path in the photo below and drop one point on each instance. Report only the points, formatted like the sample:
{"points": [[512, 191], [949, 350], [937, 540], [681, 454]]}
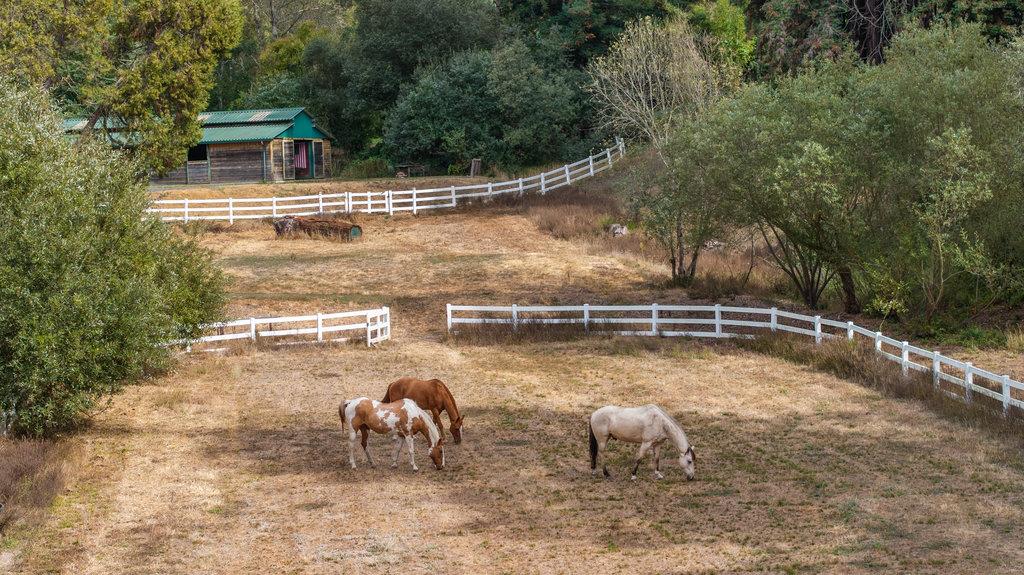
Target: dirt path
{"points": [[234, 464]]}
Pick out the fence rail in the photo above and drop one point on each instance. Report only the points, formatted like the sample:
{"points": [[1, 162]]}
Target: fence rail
{"points": [[374, 325], [718, 321], [388, 202]]}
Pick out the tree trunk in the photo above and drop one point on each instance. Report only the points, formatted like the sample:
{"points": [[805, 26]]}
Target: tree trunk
{"points": [[850, 302]]}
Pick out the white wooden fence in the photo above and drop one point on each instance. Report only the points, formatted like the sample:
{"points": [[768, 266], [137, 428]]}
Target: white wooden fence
{"points": [[389, 202], [722, 322], [374, 325]]}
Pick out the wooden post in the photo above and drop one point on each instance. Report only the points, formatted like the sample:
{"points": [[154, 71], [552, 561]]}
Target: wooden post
{"points": [[849, 330], [775, 319], [608, 153], [568, 180], [543, 190], [968, 382], [319, 326], [586, 317], [186, 210], [252, 328], [718, 320], [878, 341], [348, 202], [936, 369], [369, 328], [273, 205], [231, 211], [654, 318], [591, 165], [320, 200], [448, 314], [414, 201], [490, 190], [1006, 395], [453, 196], [520, 187], [905, 357], [515, 318], [817, 329]]}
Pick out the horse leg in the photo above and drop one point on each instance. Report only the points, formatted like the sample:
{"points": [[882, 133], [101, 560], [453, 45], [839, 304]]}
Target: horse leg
{"points": [[602, 444], [352, 447], [412, 451], [437, 421], [644, 448], [366, 433], [398, 451], [657, 462]]}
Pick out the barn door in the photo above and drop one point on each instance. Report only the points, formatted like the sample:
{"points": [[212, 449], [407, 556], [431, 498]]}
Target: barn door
{"points": [[318, 159], [289, 159]]}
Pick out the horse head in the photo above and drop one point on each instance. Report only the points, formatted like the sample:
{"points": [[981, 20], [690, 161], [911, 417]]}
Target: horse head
{"points": [[437, 453], [687, 460]]}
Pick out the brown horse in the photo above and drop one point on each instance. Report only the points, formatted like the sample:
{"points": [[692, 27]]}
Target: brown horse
{"points": [[432, 396]]}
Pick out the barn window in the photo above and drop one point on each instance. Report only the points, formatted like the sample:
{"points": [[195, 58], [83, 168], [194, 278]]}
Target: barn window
{"points": [[197, 153]]}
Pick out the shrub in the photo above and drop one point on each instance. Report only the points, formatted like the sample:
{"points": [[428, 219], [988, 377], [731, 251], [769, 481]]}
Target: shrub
{"points": [[89, 286], [31, 475], [367, 168]]}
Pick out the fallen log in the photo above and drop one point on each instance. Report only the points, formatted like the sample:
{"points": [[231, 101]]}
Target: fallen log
{"points": [[291, 226]]}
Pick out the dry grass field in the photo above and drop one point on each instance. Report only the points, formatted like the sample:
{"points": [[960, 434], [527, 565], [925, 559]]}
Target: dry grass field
{"points": [[234, 463]]}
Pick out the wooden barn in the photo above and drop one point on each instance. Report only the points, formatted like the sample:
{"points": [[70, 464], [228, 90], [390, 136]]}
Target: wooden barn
{"points": [[250, 146]]}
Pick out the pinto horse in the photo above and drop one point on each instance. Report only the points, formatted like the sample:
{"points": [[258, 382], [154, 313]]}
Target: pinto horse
{"points": [[403, 419], [431, 395], [649, 426]]}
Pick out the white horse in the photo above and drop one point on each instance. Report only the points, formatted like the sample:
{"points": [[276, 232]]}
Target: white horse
{"points": [[649, 426]]}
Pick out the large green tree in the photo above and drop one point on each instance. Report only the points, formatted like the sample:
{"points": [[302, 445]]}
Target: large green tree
{"points": [[142, 66], [90, 286]]}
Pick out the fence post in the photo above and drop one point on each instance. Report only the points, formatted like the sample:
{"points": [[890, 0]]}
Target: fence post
{"points": [[389, 200], [521, 187], [515, 318], [543, 190], [490, 190], [878, 341], [414, 201], [608, 153], [387, 321], [654, 319], [586, 317], [774, 319], [622, 146], [320, 200], [369, 328], [817, 329], [568, 180], [231, 211], [1006, 396], [319, 326], [936, 369], [252, 328], [718, 320], [591, 165], [905, 357], [348, 202], [448, 310], [849, 330], [273, 205], [186, 210], [968, 382]]}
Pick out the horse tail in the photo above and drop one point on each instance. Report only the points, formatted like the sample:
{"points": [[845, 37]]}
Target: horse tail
{"points": [[593, 446], [341, 412]]}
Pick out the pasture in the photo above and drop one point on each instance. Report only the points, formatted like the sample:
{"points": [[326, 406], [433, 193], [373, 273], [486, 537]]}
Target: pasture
{"points": [[235, 463]]}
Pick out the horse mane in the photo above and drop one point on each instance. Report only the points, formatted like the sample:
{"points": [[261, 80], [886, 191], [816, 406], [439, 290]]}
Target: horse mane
{"points": [[449, 401], [433, 434], [676, 429]]}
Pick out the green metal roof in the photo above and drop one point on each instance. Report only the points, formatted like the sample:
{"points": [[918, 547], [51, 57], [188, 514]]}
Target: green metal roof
{"points": [[249, 116], [246, 133]]}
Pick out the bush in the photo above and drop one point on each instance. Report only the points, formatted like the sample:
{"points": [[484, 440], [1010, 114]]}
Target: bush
{"points": [[89, 286], [367, 168]]}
